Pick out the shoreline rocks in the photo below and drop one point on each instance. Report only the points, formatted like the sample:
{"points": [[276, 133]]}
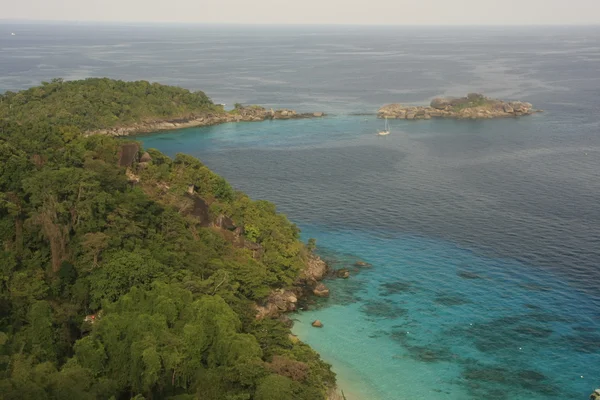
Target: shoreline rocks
{"points": [[321, 290], [308, 283], [239, 114], [473, 106]]}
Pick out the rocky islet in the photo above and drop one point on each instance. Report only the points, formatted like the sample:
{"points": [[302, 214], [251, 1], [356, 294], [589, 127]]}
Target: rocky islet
{"points": [[473, 106]]}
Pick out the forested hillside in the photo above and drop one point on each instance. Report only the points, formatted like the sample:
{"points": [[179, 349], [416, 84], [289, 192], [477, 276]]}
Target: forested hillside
{"points": [[100, 103], [126, 274]]}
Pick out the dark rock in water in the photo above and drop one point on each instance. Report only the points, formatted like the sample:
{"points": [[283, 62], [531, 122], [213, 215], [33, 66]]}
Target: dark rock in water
{"points": [[400, 336], [383, 309], [317, 324], [395, 287], [534, 287], [361, 264], [584, 342], [585, 329], [468, 275], [531, 375], [449, 300], [321, 290], [429, 354], [490, 374], [481, 378], [342, 273], [533, 331]]}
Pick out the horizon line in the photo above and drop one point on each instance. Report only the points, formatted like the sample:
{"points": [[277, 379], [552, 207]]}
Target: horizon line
{"points": [[294, 24]]}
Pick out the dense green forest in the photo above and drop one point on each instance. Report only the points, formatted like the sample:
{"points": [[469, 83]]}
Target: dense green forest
{"points": [[99, 103], [116, 279]]}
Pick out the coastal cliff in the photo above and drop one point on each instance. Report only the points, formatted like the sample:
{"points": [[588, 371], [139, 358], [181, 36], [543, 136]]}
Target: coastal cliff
{"points": [[473, 106], [133, 274], [239, 114]]}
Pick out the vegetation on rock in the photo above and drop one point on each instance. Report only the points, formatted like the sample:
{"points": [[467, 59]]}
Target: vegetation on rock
{"points": [[473, 106], [132, 275]]}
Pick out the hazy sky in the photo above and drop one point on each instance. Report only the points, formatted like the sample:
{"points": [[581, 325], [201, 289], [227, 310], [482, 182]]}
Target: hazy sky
{"points": [[404, 12]]}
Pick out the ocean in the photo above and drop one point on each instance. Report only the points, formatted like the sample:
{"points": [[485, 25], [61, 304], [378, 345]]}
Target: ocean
{"points": [[483, 237]]}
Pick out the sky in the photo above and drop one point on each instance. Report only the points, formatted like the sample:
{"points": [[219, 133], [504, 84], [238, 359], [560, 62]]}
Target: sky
{"points": [[367, 12]]}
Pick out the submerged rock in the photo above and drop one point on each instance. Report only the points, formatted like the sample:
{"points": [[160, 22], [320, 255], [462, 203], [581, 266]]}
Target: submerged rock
{"points": [[362, 264], [321, 290], [342, 273]]}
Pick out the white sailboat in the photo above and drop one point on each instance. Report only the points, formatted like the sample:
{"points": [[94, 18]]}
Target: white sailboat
{"points": [[386, 129]]}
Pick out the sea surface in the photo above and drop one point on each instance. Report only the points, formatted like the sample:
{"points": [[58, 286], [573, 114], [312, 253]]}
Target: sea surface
{"points": [[482, 237]]}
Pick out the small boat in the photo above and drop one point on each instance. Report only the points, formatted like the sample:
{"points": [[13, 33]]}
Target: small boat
{"points": [[386, 129], [13, 34]]}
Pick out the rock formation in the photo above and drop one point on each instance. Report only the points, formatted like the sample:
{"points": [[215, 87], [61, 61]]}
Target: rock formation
{"points": [[321, 290], [279, 301], [239, 114], [342, 273], [473, 106], [317, 324]]}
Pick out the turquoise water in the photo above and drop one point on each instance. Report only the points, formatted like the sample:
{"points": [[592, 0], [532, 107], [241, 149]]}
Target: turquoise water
{"points": [[431, 319], [470, 295]]}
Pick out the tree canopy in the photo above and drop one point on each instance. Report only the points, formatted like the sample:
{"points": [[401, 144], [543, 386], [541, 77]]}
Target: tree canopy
{"points": [[117, 281], [100, 103]]}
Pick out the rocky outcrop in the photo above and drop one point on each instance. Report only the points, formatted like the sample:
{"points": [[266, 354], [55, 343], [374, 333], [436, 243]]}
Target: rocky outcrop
{"points": [[317, 324], [316, 268], [308, 283], [239, 114], [146, 157], [321, 290], [473, 106], [198, 208], [279, 301], [224, 222]]}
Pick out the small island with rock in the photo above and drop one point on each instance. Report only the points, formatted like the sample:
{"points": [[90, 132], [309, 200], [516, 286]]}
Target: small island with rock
{"points": [[473, 106]]}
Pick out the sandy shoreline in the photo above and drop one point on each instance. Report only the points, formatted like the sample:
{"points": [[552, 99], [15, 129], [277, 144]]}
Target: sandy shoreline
{"points": [[349, 380]]}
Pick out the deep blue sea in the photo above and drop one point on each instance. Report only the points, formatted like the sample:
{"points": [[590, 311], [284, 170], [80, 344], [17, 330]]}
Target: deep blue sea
{"points": [[483, 236]]}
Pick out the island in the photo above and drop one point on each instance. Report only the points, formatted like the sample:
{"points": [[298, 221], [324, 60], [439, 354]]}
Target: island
{"points": [[128, 274], [473, 106], [118, 108]]}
